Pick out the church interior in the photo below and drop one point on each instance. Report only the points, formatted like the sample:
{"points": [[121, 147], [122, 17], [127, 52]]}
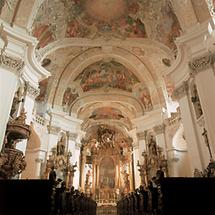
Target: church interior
{"points": [[104, 99]]}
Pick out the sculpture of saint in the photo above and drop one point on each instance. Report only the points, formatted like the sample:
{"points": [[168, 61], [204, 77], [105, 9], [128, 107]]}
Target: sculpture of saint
{"points": [[61, 146]]}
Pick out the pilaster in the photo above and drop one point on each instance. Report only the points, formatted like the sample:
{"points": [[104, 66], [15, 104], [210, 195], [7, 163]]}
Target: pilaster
{"points": [[182, 95], [203, 72], [160, 137], [10, 71]]}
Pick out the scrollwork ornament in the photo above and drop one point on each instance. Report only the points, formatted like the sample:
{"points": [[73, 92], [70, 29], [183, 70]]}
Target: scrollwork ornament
{"points": [[11, 64]]}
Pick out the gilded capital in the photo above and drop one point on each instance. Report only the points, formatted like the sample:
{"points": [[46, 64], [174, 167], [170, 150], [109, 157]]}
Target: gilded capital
{"points": [[159, 129], [181, 91], [11, 64], [201, 63], [53, 129]]}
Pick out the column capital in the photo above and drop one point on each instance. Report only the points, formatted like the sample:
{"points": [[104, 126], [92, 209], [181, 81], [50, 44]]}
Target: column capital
{"points": [[159, 129], [53, 129], [181, 90], [201, 63], [12, 64], [32, 91]]}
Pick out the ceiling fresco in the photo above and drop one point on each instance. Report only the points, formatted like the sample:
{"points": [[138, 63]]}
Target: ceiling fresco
{"points": [[7, 9], [107, 74], [43, 85], [106, 113], [145, 98], [106, 18]]}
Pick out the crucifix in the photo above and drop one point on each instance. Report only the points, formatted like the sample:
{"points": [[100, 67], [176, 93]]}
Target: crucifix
{"points": [[205, 135]]}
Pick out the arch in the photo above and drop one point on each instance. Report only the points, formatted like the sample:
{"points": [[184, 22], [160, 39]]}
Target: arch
{"points": [[93, 55], [102, 97]]}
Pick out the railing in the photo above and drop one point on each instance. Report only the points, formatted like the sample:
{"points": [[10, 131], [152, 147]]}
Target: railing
{"points": [[39, 119]]}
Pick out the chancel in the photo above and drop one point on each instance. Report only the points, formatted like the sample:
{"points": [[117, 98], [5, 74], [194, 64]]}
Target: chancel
{"points": [[107, 106]]}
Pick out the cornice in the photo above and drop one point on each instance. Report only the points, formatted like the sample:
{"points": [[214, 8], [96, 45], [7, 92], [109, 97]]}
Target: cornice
{"points": [[22, 45], [201, 63], [53, 129]]}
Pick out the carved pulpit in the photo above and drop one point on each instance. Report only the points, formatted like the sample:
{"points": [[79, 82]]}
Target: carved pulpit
{"points": [[12, 160]]}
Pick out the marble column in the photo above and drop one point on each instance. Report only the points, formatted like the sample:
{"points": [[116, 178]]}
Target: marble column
{"points": [[181, 93], [10, 70]]}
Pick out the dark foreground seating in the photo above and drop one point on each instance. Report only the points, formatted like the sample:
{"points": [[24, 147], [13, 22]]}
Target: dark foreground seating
{"points": [[25, 197], [171, 196], [188, 196]]}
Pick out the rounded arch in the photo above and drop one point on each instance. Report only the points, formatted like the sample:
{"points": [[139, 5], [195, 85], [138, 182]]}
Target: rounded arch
{"points": [[78, 64], [102, 97]]}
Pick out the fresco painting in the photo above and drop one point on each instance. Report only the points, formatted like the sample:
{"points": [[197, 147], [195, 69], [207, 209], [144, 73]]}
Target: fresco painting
{"points": [[69, 97], [106, 113], [107, 75]]}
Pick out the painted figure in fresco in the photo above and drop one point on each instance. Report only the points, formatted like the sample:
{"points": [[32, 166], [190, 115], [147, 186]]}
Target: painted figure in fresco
{"points": [[72, 29], [107, 74], [145, 99], [68, 98], [44, 34], [43, 90]]}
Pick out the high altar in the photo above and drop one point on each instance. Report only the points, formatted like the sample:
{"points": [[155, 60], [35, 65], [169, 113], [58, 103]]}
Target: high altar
{"points": [[106, 165]]}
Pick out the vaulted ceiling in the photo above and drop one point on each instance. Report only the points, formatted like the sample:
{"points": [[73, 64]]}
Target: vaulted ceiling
{"points": [[107, 58]]}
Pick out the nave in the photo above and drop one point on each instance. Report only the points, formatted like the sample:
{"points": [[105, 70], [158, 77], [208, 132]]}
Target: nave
{"points": [[100, 95]]}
